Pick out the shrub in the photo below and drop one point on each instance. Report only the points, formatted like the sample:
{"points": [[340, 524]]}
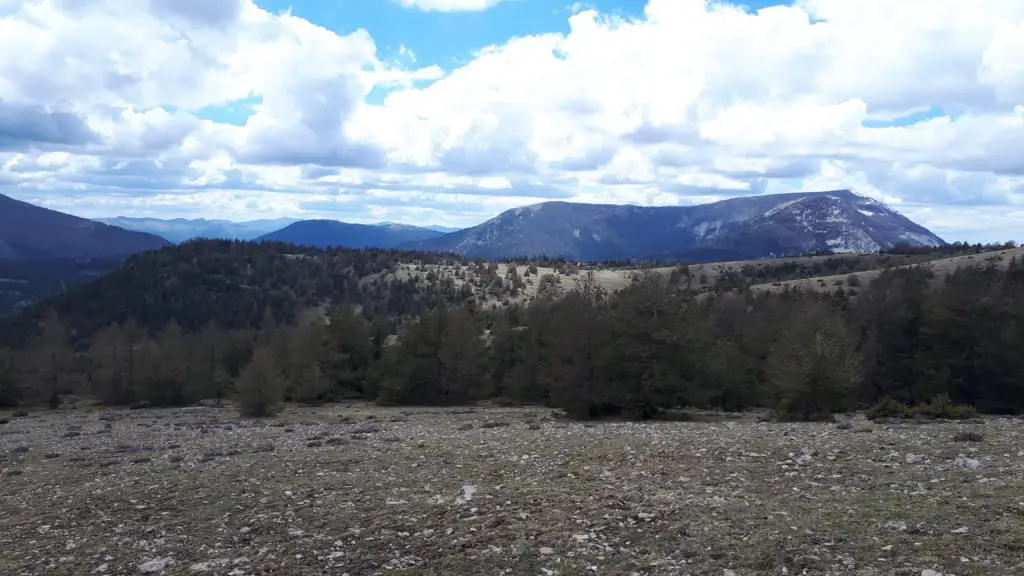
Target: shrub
{"points": [[889, 408], [260, 385], [968, 436], [942, 406]]}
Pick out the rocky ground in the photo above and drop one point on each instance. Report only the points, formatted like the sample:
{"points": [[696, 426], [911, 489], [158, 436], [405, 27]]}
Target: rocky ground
{"points": [[362, 490]]}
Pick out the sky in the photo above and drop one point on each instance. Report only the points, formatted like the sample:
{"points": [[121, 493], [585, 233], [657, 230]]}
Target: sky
{"points": [[448, 112]]}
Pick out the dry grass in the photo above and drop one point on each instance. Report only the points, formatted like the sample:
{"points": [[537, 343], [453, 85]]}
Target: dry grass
{"points": [[364, 490], [703, 276], [941, 267]]}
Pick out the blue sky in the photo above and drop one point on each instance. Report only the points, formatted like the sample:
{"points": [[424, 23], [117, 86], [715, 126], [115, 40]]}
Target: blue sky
{"points": [[372, 110]]}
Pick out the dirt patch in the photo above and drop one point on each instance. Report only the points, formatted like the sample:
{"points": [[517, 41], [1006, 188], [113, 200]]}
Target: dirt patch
{"points": [[200, 491]]}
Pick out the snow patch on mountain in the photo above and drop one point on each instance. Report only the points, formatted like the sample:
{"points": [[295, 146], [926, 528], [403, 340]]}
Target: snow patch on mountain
{"points": [[851, 241], [706, 229], [784, 206], [923, 239]]}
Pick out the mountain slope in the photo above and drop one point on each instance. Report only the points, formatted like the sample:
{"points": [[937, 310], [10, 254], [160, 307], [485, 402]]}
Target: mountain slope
{"points": [[29, 232], [331, 234], [739, 228], [179, 230]]}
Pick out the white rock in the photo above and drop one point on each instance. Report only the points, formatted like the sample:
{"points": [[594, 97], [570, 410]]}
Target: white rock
{"points": [[804, 459], [960, 530], [466, 494], [546, 551], [912, 458], [154, 565], [930, 572], [967, 463]]}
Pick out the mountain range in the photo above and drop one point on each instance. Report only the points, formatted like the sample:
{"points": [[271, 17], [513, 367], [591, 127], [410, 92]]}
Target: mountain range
{"points": [[744, 228], [334, 234], [45, 252], [179, 230]]}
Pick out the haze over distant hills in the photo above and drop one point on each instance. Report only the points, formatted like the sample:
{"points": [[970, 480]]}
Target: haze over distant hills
{"points": [[178, 230], [736, 229], [331, 233]]}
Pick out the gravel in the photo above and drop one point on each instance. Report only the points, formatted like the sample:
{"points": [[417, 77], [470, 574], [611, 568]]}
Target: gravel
{"points": [[149, 492]]}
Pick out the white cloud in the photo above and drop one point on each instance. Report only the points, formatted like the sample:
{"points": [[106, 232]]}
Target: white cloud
{"points": [[449, 5], [695, 101]]}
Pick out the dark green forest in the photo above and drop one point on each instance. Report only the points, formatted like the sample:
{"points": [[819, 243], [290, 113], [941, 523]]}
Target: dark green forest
{"points": [[905, 340]]}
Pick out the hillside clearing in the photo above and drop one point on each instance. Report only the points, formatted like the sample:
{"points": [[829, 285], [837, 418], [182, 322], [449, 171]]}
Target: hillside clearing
{"points": [[358, 489], [941, 267]]}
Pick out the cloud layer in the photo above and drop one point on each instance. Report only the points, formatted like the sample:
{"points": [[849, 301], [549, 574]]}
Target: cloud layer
{"points": [[112, 107]]}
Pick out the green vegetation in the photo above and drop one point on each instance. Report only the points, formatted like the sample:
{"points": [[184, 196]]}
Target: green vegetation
{"points": [[271, 323]]}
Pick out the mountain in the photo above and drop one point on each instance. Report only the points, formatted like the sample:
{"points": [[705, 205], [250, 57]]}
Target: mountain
{"points": [[752, 227], [442, 229], [179, 230], [331, 233], [233, 284], [435, 228], [29, 232]]}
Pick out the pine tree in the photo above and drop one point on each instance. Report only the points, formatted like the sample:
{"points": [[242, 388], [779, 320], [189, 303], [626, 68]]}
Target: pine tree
{"points": [[51, 360], [10, 386], [815, 369], [261, 385]]}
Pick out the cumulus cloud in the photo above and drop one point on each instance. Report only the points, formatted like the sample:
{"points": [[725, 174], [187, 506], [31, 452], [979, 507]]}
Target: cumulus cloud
{"points": [[692, 102], [24, 126]]}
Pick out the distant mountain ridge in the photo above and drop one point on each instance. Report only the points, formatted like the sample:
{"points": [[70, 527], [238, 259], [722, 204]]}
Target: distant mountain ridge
{"points": [[743, 228], [335, 234], [179, 230], [29, 232]]}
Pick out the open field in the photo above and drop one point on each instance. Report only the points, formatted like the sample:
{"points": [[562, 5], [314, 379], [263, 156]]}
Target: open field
{"points": [[702, 276], [364, 490], [941, 267]]}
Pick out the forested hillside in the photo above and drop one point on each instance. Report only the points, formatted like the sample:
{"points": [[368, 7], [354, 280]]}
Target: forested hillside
{"points": [[647, 348]]}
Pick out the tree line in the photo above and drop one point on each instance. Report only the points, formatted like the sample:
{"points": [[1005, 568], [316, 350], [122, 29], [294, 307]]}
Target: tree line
{"points": [[906, 338]]}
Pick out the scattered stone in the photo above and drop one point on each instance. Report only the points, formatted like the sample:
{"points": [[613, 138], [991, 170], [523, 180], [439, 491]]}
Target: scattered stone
{"points": [[466, 426], [263, 447], [4, 421], [154, 565], [334, 441], [19, 449], [844, 426], [71, 434], [314, 444], [967, 463], [20, 414], [141, 460], [534, 426], [366, 429], [14, 472], [175, 458], [494, 424], [51, 455]]}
